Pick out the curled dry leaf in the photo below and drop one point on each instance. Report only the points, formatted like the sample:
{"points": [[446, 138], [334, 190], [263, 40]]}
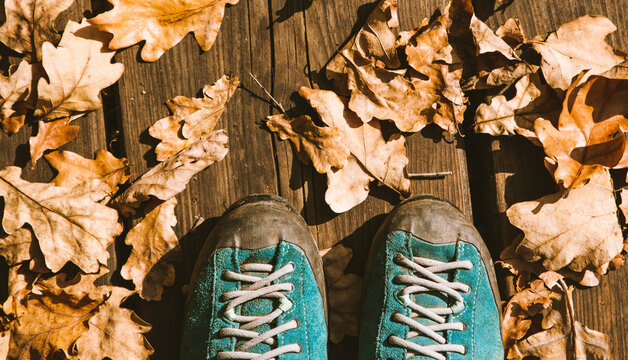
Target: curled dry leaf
{"points": [[29, 23], [13, 92], [73, 169], [374, 41], [488, 59], [69, 223], [511, 32], [322, 145], [576, 46], [386, 95], [46, 324], [161, 23], [561, 337], [151, 239], [533, 100], [590, 130], [49, 320], [522, 268], [115, 333], [170, 177], [380, 159], [429, 53], [51, 135], [78, 69], [193, 118], [343, 293], [535, 300], [577, 228]]}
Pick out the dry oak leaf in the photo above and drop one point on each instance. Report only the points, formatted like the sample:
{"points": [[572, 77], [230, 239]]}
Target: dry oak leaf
{"points": [[170, 177], [29, 23], [77, 70], [192, 118], [511, 32], [344, 292], [521, 268], [114, 332], [374, 41], [577, 228], [590, 133], [429, 53], [51, 135], [383, 160], [533, 100], [73, 169], [161, 23], [347, 187], [576, 46], [323, 145], [151, 239], [13, 92], [46, 324], [69, 223], [538, 299], [563, 337], [17, 247], [387, 95]]}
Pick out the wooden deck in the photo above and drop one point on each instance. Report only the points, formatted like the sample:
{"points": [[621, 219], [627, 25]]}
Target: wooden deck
{"points": [[285, 43]]}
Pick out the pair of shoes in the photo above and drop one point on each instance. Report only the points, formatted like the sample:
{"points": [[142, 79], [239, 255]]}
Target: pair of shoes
{"points": [[258, 292]]}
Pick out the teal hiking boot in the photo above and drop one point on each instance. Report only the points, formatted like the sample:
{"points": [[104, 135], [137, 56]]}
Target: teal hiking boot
{"points": [[431, 291], [257, 290]]}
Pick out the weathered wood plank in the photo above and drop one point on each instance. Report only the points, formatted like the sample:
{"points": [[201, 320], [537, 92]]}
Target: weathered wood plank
{"points": [[243, 45], [509, 170]]}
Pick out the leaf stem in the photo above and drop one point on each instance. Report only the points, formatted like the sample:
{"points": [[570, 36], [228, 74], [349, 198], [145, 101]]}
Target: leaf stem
{"points": [[277, 103]]}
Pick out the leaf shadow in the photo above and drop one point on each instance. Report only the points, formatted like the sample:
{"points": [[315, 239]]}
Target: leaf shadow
{"points": [[289, 9], [150, 156]]}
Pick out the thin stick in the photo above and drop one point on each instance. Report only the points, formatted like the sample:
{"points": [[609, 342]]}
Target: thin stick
{"points": [[433, 175], [269, 95]]}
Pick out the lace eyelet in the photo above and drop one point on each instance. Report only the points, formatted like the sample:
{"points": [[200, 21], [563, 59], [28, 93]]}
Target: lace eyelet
{"points": [[465, 351], [294, 266], [464, 327], [468, 290], [300, 349], [291, 288]]}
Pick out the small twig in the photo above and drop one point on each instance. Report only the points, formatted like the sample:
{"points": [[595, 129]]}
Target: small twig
{"points": [[277, 103], [432, 175]]}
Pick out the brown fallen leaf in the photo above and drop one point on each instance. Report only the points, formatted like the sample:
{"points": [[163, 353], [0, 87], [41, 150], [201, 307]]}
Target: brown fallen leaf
{"points": [[619, 71], [69, 223], [19, 247], [51, 135], [29, 23], [386, 95], [533, 100], [170, 177], [47, 324], [577, 228], [374, 41], [14, 90], [151, 239], [322, 145], [487, 59], [384, 160], [428, 52], [576, 46], [347, 187], [511, 32], [77, 70], [538, 299], [519, 267], [563, 337], [114, 332], [193, 118], [344, 292], [161, 23], [73, 169], [589, 136]]}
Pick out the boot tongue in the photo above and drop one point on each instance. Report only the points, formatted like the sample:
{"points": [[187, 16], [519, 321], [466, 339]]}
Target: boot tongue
{"points": [[259, 306], [432, 299]]}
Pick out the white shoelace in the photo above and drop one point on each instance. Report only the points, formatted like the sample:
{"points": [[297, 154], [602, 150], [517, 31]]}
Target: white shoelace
{"points": [[423, 279], [259, 288]]}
